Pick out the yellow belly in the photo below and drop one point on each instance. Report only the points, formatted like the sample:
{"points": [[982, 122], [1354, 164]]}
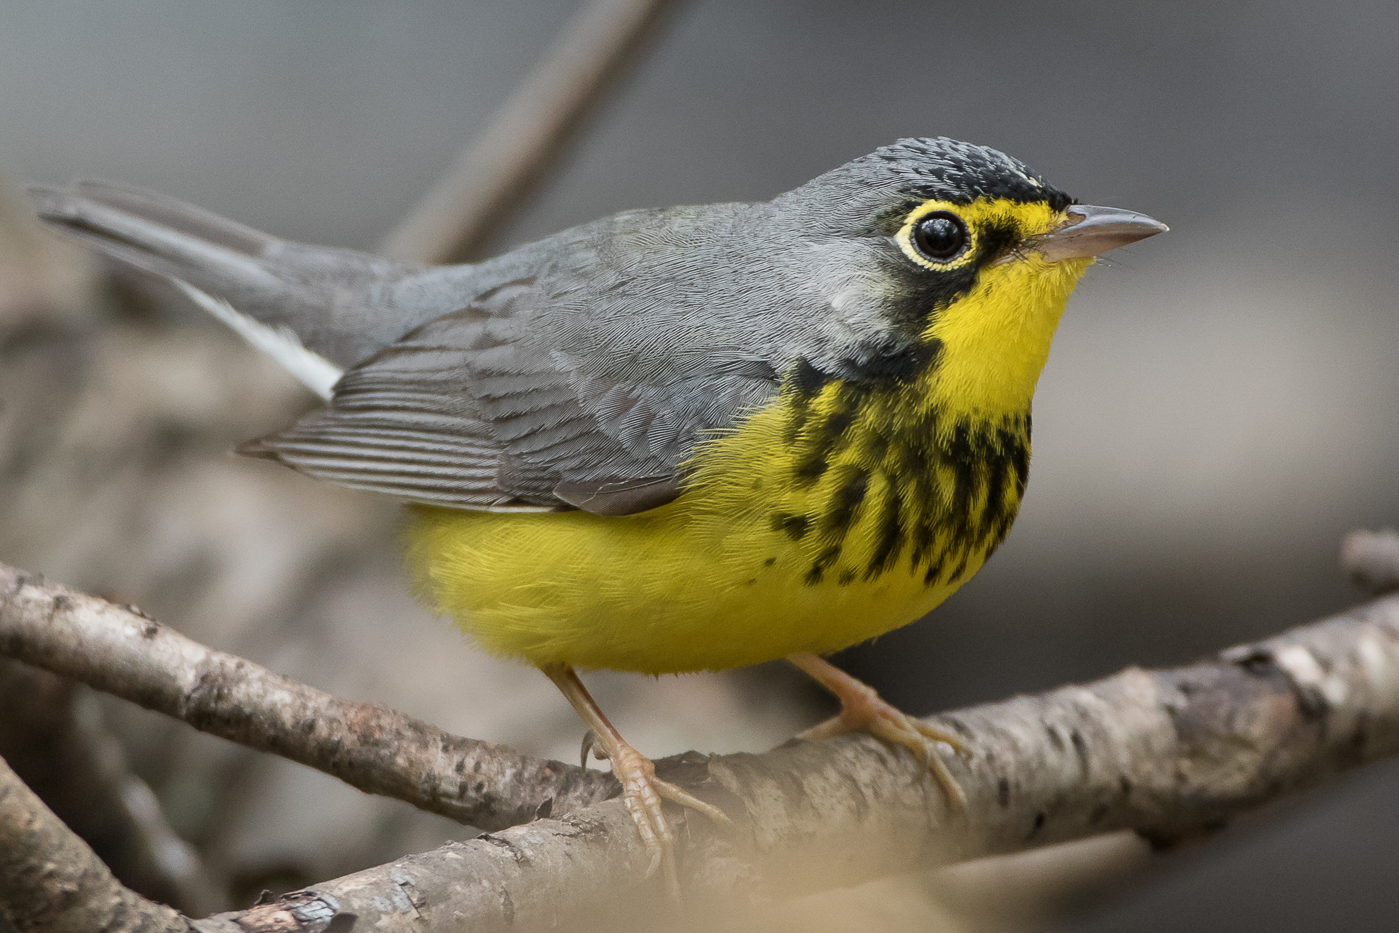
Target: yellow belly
{"points": [[674, 589]]}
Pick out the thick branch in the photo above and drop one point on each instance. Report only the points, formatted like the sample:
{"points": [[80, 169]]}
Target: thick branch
{"points": [[526, 135], [1170, 754], [51, 882], [377, 750]]}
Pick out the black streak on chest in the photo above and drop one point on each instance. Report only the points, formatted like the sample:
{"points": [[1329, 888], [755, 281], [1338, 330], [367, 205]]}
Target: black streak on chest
{"points": [[938, 502]]}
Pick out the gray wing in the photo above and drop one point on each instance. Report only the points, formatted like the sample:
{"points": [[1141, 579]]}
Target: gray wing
{"points": [[501, 406]]}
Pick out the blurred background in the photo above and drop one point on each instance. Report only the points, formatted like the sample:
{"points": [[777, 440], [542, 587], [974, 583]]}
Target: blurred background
{"points": [[1217, 412]]}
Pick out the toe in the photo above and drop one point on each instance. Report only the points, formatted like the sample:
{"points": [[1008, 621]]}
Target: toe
{"points": [[862, 709], [928, 730], [896, 728], [677, 795]]}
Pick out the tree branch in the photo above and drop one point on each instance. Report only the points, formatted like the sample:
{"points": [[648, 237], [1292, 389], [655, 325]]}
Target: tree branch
{"points": [[527, 134], [80, 770], [51, 882], [378, 750], [1170, 754]]}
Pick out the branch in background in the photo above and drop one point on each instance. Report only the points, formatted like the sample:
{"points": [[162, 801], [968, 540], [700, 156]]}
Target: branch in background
{"points": [[377, 750], [51, 882], [1170, 754], [527, 134], [81, 771], [1371, 558]]}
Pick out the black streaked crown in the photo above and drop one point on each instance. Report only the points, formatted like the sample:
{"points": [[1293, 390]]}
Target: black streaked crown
{"points": [[950, 170], [877, 190]]}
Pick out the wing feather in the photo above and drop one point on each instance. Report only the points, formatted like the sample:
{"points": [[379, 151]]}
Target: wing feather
{"points": [[488, 408]]}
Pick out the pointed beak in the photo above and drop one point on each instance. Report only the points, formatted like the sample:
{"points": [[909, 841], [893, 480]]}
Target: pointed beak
{"points": [[1090, 231]]}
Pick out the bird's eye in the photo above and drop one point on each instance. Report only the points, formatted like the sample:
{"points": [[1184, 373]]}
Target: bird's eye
{"points": [[940, 236]]}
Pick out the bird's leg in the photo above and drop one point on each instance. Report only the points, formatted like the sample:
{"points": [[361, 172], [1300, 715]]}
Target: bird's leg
{"points": [[642, 791], [861, 709]]}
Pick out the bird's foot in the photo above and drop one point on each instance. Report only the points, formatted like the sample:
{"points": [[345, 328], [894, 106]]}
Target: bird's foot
{"points": [[863, 710], [642, 792]]}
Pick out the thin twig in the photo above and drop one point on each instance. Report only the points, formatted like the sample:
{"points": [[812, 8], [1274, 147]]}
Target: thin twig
{"points": [[378, 750], [51, 882], [1371, 558], [527, 135]]}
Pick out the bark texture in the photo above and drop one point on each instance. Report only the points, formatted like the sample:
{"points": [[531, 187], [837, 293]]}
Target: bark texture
{"points": [[52, 736], [120, 651], [51, 882]]}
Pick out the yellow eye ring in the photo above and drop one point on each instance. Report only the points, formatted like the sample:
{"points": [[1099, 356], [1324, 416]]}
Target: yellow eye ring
{"points": [[936, 237]]}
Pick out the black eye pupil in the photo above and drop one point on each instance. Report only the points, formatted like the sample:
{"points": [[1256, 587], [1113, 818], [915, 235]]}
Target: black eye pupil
{"points": [[940, 236]]}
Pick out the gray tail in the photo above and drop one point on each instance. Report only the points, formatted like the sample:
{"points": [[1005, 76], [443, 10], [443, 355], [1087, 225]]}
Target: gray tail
{"points": [[301, 304]]}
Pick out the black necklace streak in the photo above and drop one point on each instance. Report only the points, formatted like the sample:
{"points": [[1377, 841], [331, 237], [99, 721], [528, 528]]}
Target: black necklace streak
{"points": [[879, 460]]}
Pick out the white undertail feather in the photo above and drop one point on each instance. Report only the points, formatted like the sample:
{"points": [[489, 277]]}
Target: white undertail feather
{"points": [[315, 371]]}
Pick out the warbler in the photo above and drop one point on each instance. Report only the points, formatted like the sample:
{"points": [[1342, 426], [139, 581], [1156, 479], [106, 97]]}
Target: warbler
{"points": [[674, 440]]}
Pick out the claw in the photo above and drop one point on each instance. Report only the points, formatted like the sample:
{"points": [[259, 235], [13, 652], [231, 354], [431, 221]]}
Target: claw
{"points": [[861, 709], [591, 744], [896, 728]]}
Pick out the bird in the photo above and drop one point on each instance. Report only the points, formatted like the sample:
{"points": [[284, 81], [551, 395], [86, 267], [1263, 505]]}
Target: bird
{"points": [[673, 440]]}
